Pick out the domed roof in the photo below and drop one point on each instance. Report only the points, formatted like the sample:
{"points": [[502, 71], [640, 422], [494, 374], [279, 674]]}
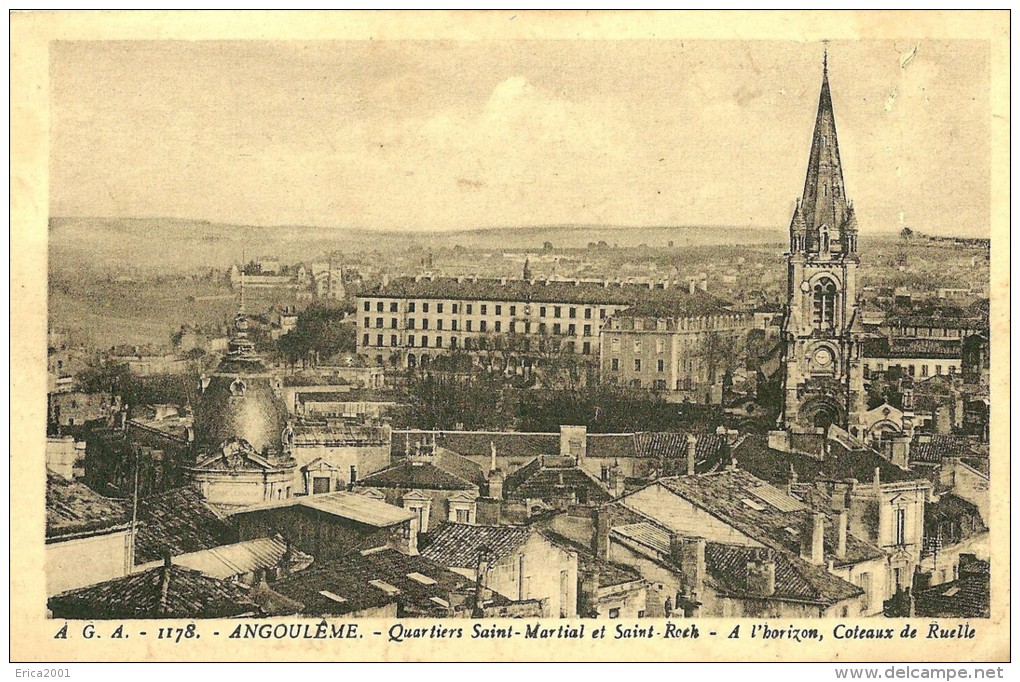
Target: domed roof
{"points": [[240, 406], [239, 401]]}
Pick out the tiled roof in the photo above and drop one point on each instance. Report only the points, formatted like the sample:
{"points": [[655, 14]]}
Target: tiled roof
{"points": [[340, 434], [179, 522], [551, 483], [240, 558], [968, 597], [479, 443], [458, 545], [74, 509], [755, 456], [939, 447], [763, 512], [726, 565], [680, 303], [162, 592], [353, 506], [416, 476], [950, 520], [881, 347], [357, 581], [582, 293]]}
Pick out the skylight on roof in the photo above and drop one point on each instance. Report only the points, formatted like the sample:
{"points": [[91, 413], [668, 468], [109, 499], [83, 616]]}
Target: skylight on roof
{"points": [[442, 602], [335, 597], [791, 530], [423, 579], [385, 587], [752, 504], [951, 592]]}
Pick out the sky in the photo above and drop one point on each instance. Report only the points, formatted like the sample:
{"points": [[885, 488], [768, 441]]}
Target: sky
{"points": [[442, 135]]}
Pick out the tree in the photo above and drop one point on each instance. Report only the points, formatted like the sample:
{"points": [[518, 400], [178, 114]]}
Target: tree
{"points": [[321, 331]]}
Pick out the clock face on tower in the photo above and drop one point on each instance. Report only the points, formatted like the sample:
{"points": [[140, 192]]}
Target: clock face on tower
{"points": [[822, 357]]}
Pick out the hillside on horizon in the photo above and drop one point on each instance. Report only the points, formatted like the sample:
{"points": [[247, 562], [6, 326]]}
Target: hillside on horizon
{"points": [[166, 245]]}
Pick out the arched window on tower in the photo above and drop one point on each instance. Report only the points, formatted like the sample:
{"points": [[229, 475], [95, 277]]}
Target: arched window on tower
{"points": [[824, 304]]}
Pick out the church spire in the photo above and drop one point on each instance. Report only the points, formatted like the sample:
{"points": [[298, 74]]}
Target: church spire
{"points": [[823, 205]]}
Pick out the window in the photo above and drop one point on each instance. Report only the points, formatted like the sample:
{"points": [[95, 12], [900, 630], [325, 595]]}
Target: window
{"points": [[938, 370], [586, 348], [439, 342], [364, 340], [439, 325], [483, 325], [602, 313], [410, 340], [378, 339], [557, 311], [573, 313], [661, 365], [659, 384], [615, 344], [393, 307], [572, 330], [660, 347], [824, 303], [410, 323], [587, 313], [615, 364], [541, 311], [439, 307], [513, 310], [901, 526], [410, 307], [467, 325], [469, 308], [453, 342], [393, 323], [499, 310], [424, 307], [368, 322], [614, 613], [424, 341], [368, 306], [485, 309], [378, 323], [556, 328], [587, 330], [637, 364], [463, 516], [499, 326], [379, 307], [393, 339], [453, 325], [924, 370], [637, 345], [952, 369], [455, 308]]}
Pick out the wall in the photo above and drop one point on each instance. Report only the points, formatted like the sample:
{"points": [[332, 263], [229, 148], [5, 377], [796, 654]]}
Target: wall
{"points": [[967, 483], [322, 535], [366, 459], [536, 572], [878, 570], [944, 566], [439, 507], [87, 561], [681, 516]]}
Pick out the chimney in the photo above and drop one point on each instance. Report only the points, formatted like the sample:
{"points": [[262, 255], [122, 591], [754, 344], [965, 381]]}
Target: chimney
{"points": [[812, 547], [600, 539], [496, 479], [761, 573], [690, 554], [616, 480], [492, 456], [704, 281], [589, 590], [692, 285], [877, 483], [574, 442], [692, 450], [842, 521]]}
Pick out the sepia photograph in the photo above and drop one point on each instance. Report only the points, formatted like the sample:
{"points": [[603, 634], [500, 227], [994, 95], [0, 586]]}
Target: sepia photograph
{"points": [[517, 339]]}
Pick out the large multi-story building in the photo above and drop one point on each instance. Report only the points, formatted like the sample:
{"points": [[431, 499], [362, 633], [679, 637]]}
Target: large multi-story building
{"points": [[411, 320], [682, 349]]}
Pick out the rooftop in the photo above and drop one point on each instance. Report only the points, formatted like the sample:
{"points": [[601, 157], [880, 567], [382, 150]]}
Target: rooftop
{"points": [[73, 510], [352, 506], [362, 580], [755, 456], [459, 545], [967, 597], [179, 522], [764, 513], [227, 561], [161, 592], [539, 481], [539, 291], [416, 476], [937, 448]]}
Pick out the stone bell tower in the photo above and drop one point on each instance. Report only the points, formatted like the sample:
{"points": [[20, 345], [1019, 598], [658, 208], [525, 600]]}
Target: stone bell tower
{"points": [[823, 383]]}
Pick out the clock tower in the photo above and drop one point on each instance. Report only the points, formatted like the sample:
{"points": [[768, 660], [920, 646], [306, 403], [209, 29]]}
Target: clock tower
{"points": [[823, 381]]}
